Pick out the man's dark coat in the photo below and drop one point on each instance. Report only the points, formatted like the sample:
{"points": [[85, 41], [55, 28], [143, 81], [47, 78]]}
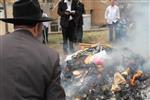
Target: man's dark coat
{"points": [[28, 69], [62, 6]]}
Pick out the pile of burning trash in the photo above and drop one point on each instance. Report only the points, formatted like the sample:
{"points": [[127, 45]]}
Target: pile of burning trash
{"points": [[101, 72]]}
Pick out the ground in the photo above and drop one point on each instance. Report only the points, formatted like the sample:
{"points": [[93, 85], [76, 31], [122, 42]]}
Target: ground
{"points": [[55, 40]]}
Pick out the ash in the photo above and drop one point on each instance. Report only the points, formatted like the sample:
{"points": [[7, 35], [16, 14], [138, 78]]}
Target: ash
{"points": [[116, 74]]}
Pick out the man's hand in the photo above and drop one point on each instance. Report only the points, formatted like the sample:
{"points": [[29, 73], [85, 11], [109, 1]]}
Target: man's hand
{"points": [[72, 12], [67, 12]]}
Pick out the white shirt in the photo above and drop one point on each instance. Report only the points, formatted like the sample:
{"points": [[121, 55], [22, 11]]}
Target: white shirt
{"points": [[46, 24], [69, 3], [112, 14]]}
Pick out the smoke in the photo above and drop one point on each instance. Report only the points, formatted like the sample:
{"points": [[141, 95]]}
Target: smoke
{"points": [[140, 39], [127, 53], [139, 36]]}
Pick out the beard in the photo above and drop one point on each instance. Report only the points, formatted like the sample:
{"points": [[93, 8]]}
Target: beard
{"points": [[40, 33]]}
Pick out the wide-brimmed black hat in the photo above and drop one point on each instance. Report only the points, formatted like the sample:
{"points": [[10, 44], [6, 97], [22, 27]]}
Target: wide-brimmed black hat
{"points": [[26, 12]]}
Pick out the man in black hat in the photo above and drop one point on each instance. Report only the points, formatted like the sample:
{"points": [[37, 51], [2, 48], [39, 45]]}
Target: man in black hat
{"points": [[28, 69], [79, 23]]}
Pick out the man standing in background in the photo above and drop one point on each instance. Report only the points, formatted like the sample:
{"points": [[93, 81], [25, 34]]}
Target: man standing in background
{"points": [[79, 23], [112, 16], [45, 30], [67, 11]]}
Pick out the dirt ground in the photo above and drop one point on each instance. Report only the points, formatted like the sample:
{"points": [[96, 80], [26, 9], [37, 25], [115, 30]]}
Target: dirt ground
{"points": [[55, 40]]}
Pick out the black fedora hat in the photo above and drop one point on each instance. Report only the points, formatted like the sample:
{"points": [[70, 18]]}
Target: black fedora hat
{"points": [[26, 12]]}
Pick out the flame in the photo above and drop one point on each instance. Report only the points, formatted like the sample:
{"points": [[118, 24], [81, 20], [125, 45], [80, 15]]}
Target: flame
{"points": [[126, 72], [134, 78], [118, 80], [76, 98]]}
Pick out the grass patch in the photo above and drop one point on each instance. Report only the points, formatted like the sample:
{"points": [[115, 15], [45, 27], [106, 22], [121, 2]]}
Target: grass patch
{"points": [[56, 40], [88, 37], [94, 37]]}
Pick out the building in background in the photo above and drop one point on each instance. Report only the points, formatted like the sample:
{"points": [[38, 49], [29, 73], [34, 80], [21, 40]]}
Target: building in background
{"points": [[95, 10], [9, 14], [94, 13]]}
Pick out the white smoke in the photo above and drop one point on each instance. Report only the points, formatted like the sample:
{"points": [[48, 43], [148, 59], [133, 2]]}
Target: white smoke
{"points": [[139, 36], [140, 39]]}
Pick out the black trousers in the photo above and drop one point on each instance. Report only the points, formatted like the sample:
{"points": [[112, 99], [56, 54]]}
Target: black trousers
{"points": [[68, 37], [78, 34], [45, 35]]}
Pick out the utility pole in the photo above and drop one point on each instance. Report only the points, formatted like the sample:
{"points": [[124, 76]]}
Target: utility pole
{"points": [[5, 14]]}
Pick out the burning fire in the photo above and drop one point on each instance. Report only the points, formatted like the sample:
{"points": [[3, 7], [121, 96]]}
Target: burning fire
{"points": [[138, 74], [121, 79], [91, 75]]}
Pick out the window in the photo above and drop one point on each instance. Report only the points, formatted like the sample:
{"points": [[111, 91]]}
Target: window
{"points": [[1, 10], [1, 6], [47, 1]]}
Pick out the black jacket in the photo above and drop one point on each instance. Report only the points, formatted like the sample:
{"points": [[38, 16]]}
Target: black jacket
{"points": [[28, 69], [62, 6], [80, 12]]}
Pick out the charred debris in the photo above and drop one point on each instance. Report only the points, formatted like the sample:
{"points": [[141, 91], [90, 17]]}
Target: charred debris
{"points": [[102, 72]]}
